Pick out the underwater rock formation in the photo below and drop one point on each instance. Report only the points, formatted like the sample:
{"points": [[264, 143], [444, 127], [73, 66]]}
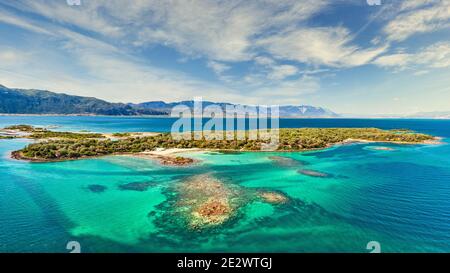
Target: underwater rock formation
{"points": [[313, 173], [285, 161], [136, 186], [273, 197], [96, 188]]}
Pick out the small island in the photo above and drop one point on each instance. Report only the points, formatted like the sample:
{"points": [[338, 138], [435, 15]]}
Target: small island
{"points": [[60, 146]]}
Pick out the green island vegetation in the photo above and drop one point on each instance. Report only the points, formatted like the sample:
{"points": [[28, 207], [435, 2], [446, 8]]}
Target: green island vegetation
{"points": [[121, 134], [72, 146], [42, 133], [64, 135], [23, 128]]}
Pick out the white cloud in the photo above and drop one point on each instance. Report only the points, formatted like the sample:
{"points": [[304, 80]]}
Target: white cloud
{"points": [[328, 46], [8, 18], [433, 56], [88, 16], [217, 67], [392, 60], [418, 17], [227, 31], [413, 4], [219, 30], [262, 60], [282, 71], [11, 56]]}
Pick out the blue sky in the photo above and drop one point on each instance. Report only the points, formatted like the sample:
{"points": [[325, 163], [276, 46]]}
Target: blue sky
{"points": [[347, 56]]}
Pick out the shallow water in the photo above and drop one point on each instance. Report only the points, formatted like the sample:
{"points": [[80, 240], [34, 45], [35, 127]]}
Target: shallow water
{"points": [[399, 197]]}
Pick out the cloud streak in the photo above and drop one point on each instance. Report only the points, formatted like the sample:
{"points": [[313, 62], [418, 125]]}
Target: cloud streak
{"points": [[418, 17]]}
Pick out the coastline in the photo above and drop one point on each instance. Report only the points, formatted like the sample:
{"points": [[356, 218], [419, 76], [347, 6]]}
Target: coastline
{"points": [[168, 154], [50, 146], [436, 141]]}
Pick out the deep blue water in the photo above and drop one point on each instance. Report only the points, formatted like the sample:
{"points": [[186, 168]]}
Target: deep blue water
{"points": [[145, 124]]}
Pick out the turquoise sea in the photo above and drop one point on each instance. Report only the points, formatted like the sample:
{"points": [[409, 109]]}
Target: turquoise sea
{"points": [[399, 197]]}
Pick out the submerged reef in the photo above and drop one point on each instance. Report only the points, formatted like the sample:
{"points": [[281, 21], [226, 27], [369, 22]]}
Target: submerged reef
{"points": [[314, 173], [203, 202], [96, 188], [381, 148], [286, 161], [273, 197], [136, 186], [207, 200]]}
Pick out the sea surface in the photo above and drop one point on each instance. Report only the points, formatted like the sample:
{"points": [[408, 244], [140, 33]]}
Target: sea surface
{"points": [[399, 198]]}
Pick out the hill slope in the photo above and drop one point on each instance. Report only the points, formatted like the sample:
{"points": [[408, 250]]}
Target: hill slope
{"points": [[21, 101], [31, 101]]}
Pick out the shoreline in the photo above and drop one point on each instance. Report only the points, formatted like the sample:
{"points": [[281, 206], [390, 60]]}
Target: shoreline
{"points": [[436, 141], [51, 146], [17, 155], [161, 154]]}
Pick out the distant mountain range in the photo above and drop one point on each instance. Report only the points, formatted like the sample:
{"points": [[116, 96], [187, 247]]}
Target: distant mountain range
{"points": [[419, 115], [25, 101], [431, 115], [304, 111]]}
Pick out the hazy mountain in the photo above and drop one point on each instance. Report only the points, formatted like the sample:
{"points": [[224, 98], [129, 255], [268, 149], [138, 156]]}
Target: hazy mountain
{"points": [[21, 101], [285, 111], [433, 115]]}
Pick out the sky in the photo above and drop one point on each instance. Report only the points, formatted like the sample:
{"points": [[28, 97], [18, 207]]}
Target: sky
{"points": [[346, 55]]}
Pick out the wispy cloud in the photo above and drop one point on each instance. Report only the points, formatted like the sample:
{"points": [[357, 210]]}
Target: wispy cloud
{"points": [[329, 46], [282, 71], [433, 56], [418, 17], [218, 67], [9, 18], [12, 57]]}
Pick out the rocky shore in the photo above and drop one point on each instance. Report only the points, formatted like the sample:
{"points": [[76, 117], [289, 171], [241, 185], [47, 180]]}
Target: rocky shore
{"points": [[168, 157]]}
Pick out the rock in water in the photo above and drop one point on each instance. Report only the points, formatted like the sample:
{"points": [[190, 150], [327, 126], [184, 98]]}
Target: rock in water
{"points": [[285, 161], [96, 188], [273, 197], [212, 212], [207, 201], [176, 161], [382, 148], [313, 173], [136, 186]]}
